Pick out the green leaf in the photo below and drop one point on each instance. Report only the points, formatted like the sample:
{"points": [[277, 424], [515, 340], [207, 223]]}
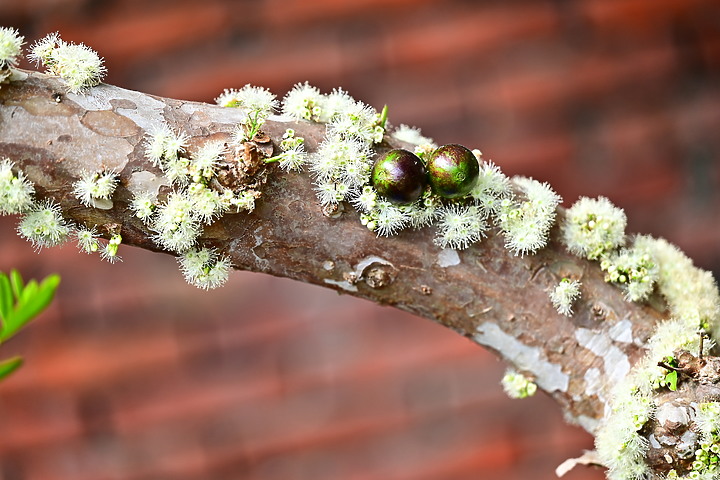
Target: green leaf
{"points": [[6, 298], [9, 366], [16, 282], [34, 299], [671, 380]]}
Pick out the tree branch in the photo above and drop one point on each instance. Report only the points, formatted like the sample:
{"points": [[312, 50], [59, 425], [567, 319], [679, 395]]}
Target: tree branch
{"points": [[484, 293]]}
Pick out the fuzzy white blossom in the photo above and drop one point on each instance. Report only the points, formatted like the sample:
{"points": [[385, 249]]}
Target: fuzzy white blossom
{"points": [[176, 228], [252, 99], [204, 268], [459, 226], [411, 135], [388, 219], [202, 163], [334, 153], [16, 191], [44, 226], [491, 188], [77, 64], [207, 204], [424, 212], [691, 292], [593, 227], [87, 239], [143, 204], [526, 224], [365, 200], [93, 186], [11, 43], [303, 102], [330, 192], [163, 145], [360, 121], [564, 295], [634, 270]]}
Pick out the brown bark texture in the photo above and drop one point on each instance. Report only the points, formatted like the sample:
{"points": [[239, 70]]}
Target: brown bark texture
{"points": [[484, 293]]}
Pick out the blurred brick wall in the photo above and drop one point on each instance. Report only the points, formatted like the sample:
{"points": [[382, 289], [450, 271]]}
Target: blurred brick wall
{"points": [[134, 375]]}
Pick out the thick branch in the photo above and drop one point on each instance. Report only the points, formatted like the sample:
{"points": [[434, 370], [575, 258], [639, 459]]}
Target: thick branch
{"points": [[484, 293]]}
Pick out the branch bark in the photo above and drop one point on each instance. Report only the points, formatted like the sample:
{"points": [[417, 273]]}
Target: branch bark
{"points": [[483, 293]]}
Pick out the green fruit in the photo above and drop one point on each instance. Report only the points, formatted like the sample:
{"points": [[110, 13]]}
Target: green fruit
{"points": [[453, 171], [399, 176]]}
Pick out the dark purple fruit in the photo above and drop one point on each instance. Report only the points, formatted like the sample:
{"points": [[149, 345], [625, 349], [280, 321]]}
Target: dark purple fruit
{"points": [[399, 176], [453, 171]]}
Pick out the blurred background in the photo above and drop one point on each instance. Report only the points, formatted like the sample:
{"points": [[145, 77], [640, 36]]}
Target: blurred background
{"points": [[133, 374]]}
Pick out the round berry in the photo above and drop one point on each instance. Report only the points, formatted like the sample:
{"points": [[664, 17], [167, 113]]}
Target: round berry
{"points": [[453, 171], [399, 176]]}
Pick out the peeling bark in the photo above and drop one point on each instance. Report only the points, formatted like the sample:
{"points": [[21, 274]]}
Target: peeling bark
{"points": [[484, 293]]}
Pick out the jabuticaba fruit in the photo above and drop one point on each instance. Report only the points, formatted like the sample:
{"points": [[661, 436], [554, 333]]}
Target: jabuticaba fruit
{"points": [[452, 171], [399, 176]]}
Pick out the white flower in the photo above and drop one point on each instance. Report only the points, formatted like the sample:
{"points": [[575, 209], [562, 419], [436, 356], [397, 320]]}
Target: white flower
{"points": [[44, 226], [95, 186], [634, 269], [143, 204], [491, 187], [292, 159], [203, 162], [336, 103], [411, 135], [10, 47], [165, 145], [526, 225], [459, 226], [87, 239], [388, 219], [79, 65], [176, 228], [42, 50], [250, 98], [204, 268], [110, 250], [593, 227], [331, 192], [564, 295], [206, 203], [16, 191], [334, 153], [359, 121], [366, 200], [424, 212], [303, 102]]}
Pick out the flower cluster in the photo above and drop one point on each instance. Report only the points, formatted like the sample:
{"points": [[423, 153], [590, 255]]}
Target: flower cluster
{"points": [[205, 268], [11, 43], [564, 295], [526, 224], [79, 65], [517, 385], [293, 155], [459, 226], [16, 191], [633, 269], [44, 226], [94, 186], [694, 302], [256, 102], [593, 228], [707, 457]]}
